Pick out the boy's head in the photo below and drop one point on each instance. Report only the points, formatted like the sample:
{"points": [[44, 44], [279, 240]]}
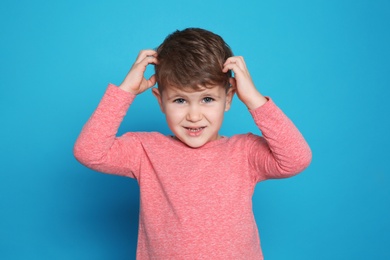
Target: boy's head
{"points": [[193, 91], [191, 59]]}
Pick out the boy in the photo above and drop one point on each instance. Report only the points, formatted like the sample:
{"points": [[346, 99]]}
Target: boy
{"points": [[196, 186]]}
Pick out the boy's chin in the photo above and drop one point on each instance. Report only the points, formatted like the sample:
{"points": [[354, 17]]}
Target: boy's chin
{"points": [[194, 143]]}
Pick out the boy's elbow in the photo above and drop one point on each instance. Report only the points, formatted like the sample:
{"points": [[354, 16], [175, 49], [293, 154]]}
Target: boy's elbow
{"points": [[79, 154], [298, 165], [302, 162], [84, 156], [305, 161]]}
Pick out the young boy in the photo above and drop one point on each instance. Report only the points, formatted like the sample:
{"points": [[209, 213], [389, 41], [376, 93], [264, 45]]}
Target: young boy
{"points": [[196, 186]]}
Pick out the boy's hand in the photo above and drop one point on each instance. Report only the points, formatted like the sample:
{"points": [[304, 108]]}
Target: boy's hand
{"points": [[135, 81], [243, 84]]}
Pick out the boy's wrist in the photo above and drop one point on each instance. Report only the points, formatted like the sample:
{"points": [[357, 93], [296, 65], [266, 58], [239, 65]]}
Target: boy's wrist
{"points": [[256, 100], [127, 89]]}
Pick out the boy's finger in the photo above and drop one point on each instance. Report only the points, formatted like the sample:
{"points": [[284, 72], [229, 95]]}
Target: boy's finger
{"points": [[147, 60], [145, 53], [152, 81], [233, 67], [239, 60]]}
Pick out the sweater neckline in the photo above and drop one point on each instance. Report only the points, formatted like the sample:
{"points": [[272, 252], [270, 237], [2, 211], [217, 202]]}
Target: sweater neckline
{"points": [[175, 141]]}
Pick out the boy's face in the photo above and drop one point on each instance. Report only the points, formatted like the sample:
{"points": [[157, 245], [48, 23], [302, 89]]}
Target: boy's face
{"points": [[194, 117]]}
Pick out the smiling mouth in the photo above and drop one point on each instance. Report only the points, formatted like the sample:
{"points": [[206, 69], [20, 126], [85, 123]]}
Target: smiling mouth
{"points": [[195, 130]]}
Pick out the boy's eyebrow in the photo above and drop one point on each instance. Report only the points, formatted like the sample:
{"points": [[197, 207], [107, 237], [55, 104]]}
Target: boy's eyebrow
{"points": [[182, 94], [175, 95], [208, 92]]}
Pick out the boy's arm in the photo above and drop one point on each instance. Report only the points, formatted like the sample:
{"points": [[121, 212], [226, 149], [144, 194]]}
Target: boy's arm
{"points": [[285, 152], [97, 146]]}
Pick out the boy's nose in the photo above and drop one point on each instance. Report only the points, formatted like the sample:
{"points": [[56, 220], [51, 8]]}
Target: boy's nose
{"points": [[194, 114]]}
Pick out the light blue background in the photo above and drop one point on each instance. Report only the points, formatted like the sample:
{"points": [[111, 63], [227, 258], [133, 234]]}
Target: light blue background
{"points": [[325, 63]]}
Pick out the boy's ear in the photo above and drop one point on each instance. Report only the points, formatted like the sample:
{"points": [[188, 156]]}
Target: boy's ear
{"points": [[230, 93], [157, 94]]}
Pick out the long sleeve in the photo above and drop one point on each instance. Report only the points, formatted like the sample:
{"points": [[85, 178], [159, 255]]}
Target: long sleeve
{"points": [[287, 152], [97, 146]]}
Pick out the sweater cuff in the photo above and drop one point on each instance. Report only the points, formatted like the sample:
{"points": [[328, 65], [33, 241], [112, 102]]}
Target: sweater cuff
{"points": [[119, 94], [115, 101]]}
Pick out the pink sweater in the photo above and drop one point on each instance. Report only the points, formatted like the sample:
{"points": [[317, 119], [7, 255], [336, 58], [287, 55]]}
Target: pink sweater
{"points": [[194, 203]]}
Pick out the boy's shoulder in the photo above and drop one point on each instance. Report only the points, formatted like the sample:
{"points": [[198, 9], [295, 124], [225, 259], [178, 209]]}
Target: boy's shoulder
{"points": [[155, 139], [146, 136], [245, 138]]}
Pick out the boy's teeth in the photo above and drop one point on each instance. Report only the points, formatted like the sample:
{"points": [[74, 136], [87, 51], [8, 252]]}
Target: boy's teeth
{"points": [[195, 129]]}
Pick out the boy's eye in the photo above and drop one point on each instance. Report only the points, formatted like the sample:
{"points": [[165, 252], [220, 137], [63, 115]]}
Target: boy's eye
{"points": [[179, 100], [208, 99]]}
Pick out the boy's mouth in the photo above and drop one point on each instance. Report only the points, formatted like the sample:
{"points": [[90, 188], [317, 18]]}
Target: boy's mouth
{"points": [[194, 131]]}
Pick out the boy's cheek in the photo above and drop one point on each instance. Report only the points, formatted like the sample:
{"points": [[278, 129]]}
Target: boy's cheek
{"points": [[173, 113]]}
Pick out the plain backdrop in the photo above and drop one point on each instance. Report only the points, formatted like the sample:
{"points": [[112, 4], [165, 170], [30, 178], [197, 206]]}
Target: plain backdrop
{"points": [[325, 63]]}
